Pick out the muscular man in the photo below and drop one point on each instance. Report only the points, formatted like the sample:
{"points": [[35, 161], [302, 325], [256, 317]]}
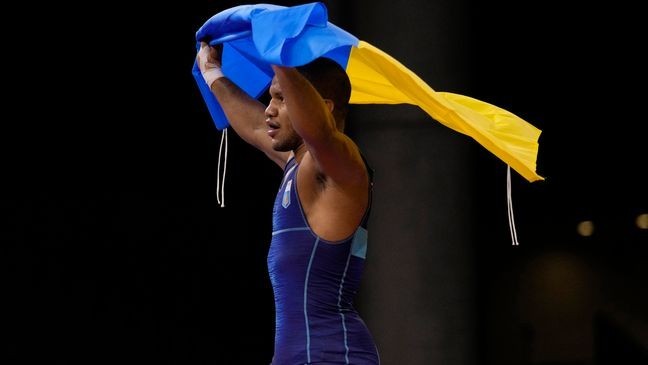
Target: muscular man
{"points": [[319, 236]]}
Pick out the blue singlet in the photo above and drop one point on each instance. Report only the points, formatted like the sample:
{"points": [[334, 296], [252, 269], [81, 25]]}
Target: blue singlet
{"points": [[314, 283]]}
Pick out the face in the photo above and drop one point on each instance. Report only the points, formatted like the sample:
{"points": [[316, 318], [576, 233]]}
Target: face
{"points": [[284, 137]]}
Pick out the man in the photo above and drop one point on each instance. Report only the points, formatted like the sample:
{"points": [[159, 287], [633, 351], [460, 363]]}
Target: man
{"points": [[318, 246]]}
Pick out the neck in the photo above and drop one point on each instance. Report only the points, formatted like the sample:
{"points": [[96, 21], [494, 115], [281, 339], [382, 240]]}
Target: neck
{"points": [[299, 152]]}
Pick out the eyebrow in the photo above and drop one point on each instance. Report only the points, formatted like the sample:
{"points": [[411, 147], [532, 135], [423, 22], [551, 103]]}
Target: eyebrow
{"points": [[273, 91]]}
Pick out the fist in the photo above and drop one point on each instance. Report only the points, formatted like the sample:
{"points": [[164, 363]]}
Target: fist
{"points": [[209, 57]]}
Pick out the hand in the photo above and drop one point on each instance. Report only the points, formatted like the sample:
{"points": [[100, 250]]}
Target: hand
{"points": [[209, 62]]}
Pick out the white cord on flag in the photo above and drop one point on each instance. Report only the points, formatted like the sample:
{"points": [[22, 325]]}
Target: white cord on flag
{"points": [[220, 186], [509, 203]]}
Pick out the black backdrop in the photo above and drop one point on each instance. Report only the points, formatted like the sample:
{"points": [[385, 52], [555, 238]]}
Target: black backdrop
{"points": [[116, 248]]}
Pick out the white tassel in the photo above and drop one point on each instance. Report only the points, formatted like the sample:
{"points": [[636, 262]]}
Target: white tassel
{"points": [[220, 189], [509, 203]]}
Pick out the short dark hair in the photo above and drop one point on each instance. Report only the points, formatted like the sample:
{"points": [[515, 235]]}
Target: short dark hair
{"points": [[332, 82]]}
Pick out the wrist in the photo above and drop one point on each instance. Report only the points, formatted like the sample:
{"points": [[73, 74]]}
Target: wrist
{"points": [[211, 75]]}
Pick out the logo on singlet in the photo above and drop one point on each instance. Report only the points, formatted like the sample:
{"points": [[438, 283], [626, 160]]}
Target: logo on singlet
{"points": [[285, 202]]}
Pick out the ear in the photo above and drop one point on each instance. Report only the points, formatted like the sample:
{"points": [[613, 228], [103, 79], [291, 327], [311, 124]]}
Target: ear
{"points": [[329, 104]]}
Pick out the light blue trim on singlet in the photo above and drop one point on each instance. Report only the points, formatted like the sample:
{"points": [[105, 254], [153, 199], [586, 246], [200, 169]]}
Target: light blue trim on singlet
{"points": [[359, 244], [346, 345], [310, 263], [290, 230], [286, 174]]}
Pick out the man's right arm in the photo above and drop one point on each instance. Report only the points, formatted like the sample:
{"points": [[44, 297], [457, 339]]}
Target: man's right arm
{"points": [[245, 114]]}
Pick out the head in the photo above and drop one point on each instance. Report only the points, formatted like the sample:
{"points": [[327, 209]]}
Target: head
{"points": [[331, 82]]}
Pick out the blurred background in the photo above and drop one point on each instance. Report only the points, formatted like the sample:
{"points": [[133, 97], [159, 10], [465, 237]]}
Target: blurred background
{"points": [[118, 251]]}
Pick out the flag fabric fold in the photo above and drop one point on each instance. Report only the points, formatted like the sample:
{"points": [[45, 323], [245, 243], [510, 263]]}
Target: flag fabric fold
{"points": [[257, 36]]}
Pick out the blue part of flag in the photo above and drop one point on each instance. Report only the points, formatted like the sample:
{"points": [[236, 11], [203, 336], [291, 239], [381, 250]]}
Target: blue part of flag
{"points": [[257, 36]]}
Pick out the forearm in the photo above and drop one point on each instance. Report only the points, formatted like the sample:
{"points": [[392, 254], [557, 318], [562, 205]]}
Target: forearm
{"points": [[311, 117], [308, 112], [244, 114]]}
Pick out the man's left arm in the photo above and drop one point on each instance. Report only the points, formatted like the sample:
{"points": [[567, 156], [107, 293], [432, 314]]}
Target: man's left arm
{"points": [[335, 154]]}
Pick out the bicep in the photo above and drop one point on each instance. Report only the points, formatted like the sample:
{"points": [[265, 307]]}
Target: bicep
{"points": [[339, 159]]}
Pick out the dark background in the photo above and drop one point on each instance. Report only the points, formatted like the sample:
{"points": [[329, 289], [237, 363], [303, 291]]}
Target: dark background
{"points": [[118, 252]]}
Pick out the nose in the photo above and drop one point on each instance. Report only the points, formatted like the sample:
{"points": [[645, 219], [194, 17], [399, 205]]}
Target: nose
{"points": [[270, 111]]}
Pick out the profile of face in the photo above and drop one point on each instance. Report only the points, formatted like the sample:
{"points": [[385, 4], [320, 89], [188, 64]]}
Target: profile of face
{"points": [[280, 130]]}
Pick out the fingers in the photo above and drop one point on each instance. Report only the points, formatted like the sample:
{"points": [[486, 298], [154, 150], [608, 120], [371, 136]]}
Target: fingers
{"points": [[216, 52], [208, 59], [203, 56], [219, 49], [210, 54]]}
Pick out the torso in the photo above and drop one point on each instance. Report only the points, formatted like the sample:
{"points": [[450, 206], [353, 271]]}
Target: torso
{"points": [[315, 281]]}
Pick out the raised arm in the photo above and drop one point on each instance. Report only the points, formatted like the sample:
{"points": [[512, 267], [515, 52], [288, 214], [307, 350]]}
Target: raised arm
{"points": [[244, 114], [335, 155]]}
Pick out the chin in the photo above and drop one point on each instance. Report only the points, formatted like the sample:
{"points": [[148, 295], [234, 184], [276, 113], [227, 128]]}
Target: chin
{"points": [[277, 146], [285, 145]]}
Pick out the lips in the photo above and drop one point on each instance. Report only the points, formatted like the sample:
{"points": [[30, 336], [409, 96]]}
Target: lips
{"points": [[273, 128]]}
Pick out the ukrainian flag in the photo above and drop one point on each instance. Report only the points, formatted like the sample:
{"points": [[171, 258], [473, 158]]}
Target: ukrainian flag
{"points": [[257, 36]]}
